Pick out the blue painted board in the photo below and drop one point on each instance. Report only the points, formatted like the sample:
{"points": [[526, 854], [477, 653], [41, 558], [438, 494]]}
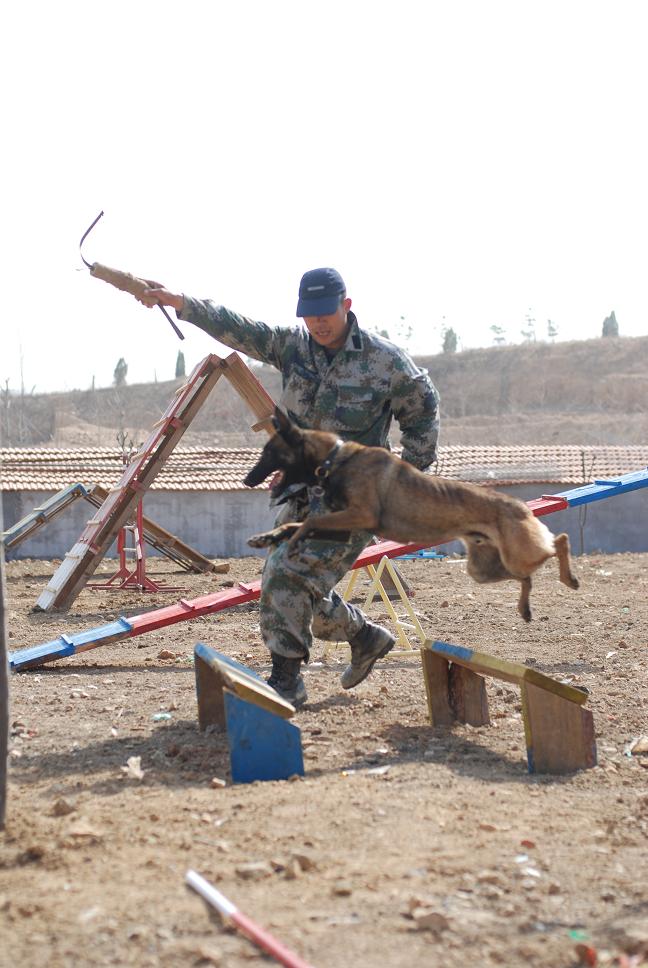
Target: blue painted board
{"points": [[262, 746], [600, 489], [67, 645]]}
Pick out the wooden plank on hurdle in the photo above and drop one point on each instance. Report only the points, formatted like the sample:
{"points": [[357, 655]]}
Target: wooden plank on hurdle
{"points": [[514, 672], [216, 672]]}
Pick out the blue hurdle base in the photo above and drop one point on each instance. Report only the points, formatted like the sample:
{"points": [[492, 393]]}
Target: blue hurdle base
{"points": [[262, 746]]}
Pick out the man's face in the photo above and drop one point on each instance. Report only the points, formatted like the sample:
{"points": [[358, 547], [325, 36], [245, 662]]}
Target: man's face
{"points": [[330, 331]]}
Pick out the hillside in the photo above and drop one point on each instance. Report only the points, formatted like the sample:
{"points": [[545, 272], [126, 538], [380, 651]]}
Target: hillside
{"points": [[586, 392]]}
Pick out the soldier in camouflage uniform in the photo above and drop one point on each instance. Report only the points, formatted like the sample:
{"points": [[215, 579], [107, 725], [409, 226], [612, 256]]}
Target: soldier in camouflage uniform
{"points": [[343, 379]]}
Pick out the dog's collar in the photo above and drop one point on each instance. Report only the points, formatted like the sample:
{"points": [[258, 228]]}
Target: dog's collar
{"points": [[324, 469]]}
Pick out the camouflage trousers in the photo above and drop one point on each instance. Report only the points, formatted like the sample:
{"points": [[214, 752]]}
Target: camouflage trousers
{"points": [[297, 591]]}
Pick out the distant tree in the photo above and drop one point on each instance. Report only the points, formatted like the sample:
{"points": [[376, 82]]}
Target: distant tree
{"points": [[449, 341], [180, 365], [552, 330], [404, 331], [610, 326], [498, 334], [119, 376], [401, 333], [529, 332]]}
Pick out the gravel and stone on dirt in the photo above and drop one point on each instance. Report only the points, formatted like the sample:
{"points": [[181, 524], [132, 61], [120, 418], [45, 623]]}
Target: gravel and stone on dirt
{"points": [[403, 845]]}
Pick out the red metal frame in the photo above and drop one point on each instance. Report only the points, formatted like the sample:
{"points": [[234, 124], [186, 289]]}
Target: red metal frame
{"points": [[129, 577]]}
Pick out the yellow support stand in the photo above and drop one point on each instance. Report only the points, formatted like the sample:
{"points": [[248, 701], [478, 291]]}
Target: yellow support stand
{"points": [[400, 623]]}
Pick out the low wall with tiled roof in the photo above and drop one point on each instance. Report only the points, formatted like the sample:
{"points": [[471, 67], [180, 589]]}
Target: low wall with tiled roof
{"points": [[199, 495], [196, 469]]}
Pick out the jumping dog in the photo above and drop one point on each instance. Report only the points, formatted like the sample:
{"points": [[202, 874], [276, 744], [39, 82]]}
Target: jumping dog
{"points": [[370, 489]]}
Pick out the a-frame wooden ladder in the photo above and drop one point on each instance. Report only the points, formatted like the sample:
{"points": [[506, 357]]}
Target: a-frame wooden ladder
{"points": [[101, 530]]}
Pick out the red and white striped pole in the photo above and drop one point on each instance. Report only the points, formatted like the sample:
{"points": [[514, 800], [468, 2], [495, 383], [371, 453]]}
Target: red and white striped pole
{"points": [[254, 931]]}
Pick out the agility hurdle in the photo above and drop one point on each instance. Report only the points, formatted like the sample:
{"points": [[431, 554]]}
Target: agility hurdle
{"points": [[559, 733], [233, 698]]}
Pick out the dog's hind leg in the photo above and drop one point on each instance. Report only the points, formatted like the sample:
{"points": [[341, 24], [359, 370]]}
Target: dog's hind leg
{"points": [[523, 601], [567, 576]]}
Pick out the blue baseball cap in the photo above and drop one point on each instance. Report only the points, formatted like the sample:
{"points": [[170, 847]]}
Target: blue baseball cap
{"points": [[320, 292]]}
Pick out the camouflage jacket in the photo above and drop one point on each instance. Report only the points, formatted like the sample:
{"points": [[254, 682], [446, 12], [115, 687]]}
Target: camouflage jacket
{"points": [[355, 394]]}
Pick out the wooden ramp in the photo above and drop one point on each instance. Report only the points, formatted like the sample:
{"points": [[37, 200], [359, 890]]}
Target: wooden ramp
{"points": [[41, 515], [101, 530]]}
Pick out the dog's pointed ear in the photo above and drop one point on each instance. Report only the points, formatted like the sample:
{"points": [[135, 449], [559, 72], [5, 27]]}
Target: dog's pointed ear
{"points": [[280, 421], [285, 427]]}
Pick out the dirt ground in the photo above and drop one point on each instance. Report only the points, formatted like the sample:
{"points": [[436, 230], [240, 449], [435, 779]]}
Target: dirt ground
{"points": [[403, 845]]}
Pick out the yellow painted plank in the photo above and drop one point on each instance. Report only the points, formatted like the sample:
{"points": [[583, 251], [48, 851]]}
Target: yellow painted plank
{"points": [[515, 672]]}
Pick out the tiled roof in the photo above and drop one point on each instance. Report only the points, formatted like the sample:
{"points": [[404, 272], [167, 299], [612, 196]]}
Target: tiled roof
{"points": [[187, 469], [197, 469], [542, 464]]}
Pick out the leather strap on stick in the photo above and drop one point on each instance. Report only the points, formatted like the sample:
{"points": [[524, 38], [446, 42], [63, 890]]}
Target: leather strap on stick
{"points": [[123, 280]]}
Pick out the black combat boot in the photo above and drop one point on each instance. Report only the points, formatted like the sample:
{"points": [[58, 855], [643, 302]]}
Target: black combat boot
{"points": [[286, 680], [371, 643]]}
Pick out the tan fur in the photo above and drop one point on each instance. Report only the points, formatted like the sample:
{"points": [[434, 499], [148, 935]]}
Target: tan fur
{"points": [[378, 492]]}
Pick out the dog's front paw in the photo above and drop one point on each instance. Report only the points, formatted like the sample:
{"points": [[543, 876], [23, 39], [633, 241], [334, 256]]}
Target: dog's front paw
{"points": [[264, 540]]}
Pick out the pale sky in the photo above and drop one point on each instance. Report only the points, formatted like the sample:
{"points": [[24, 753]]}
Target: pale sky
{"points": [[467, 162]]}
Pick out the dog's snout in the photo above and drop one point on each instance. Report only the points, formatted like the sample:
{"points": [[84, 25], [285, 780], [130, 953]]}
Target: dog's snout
{"points": [[256, 476]]}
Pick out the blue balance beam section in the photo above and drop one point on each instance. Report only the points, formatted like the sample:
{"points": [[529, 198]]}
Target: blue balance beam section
{"points": [[601, 489], [67, 645]]}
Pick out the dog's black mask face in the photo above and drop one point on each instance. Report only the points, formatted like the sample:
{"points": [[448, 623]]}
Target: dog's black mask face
{"points": [[285, 452]]}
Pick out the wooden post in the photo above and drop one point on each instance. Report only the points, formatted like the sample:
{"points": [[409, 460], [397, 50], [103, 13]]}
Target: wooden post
{"points": [[454, 694], [436, 678], [559, 734], [468, 698]]}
